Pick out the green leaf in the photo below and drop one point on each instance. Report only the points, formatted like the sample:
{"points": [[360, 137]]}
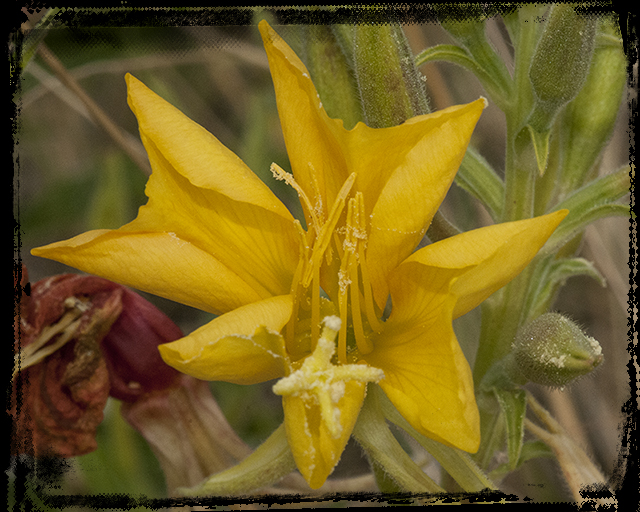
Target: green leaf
{"points": [[488, 68], [271, 461], [592, 202], [514, 406], [457, 55], [553, 275], [530, 450], [541, 147], [479, 179], [450, 53]]}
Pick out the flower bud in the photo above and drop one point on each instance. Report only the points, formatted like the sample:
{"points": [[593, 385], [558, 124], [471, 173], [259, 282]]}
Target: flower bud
{"points": [[553, 351], [331, 72], [389, 83], [589, 119], [560, 63]]}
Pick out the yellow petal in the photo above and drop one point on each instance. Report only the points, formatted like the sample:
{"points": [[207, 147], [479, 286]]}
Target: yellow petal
{"points": [[427, 377], [493, 255], [416, 184], [158, 263], [205, 194], [243, 346], [315, 450], [314, 153], [195, 153], [212, 235], [404, 171]]}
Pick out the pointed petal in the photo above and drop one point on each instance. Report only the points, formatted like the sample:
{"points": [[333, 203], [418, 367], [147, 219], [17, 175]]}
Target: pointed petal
{"points": [[493, 255], [314, 449], [427, 377], [194, 153], [420, 159], [309, 133], [212, 235], [203, 193], [243, 346], [158, 263], [403, 171]]}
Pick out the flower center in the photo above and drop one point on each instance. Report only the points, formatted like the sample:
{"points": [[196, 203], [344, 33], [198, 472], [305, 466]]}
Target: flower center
{"points": [[342, 251]]}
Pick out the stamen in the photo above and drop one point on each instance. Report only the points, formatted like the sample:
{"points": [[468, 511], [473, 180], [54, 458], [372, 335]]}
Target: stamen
{"points": [[364, 344], [343, 286], [325, 235], [319, 208], [315, 302], [281, 175], [296, 290], [369, 304]]}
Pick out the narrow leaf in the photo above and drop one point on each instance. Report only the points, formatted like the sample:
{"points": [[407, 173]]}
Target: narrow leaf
{"points": [[554, 275], [479, 179], [589, 203]]}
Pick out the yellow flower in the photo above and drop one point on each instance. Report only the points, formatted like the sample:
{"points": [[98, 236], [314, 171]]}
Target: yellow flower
{"points": [[308, 306]]}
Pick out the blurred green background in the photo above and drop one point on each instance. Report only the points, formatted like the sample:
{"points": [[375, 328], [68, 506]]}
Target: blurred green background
{"points": [[73, 177]]}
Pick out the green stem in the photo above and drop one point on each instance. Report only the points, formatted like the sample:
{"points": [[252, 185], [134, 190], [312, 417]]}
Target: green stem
{"points": [[271, 461], [457, 463], [373, 434], [520, 168], [502, 313]]}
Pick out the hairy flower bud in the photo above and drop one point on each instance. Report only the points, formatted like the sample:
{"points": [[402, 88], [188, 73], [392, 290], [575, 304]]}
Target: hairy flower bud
{"points": [[552, 350], [561, 62], [588, 120]]}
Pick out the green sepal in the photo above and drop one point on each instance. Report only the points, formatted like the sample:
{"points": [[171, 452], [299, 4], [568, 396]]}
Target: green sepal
{"points": [[271, 461], [373, 434], [592, 202], [385, 483], [457, 463], [513, 403]]}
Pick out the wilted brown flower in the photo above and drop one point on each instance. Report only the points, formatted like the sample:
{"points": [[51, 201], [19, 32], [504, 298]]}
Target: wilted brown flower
{"points": [[78, 340]]}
